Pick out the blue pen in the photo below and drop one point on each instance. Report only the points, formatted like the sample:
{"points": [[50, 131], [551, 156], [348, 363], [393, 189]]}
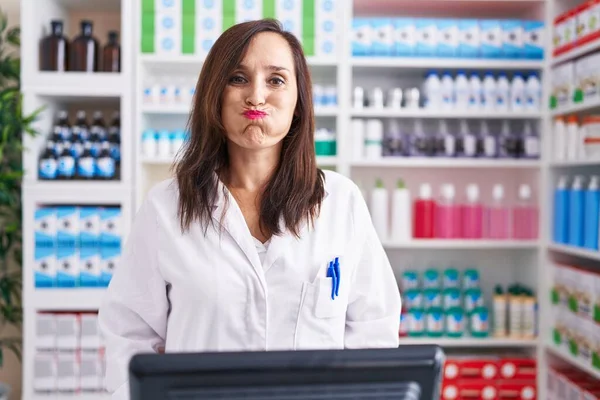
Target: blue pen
{"points": [[331, 274], [336, 268]]}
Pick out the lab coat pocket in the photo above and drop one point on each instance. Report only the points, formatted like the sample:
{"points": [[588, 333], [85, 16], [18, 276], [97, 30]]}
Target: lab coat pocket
{"points": [[321, 319]]}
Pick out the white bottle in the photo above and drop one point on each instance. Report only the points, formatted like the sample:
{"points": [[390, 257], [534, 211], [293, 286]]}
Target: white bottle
{"points": [[401, 214], [490, 92], [532, 141], [502, 93], [517, 93], [379, 210], [358, 139], [374, 139], [448, 139], [447, 92], [475, 92], [533, 93], [432, 90], [572, 139], [468, 139], [560, 139], [462, 91]]}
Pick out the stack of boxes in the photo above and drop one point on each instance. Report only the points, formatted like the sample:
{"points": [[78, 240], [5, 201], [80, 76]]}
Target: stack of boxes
{"points": [[569, 383], [191, 27], [489, 378], [69, 354], [576, 27], [76, 246], [575, 300], [575, 82], [467, 38]]}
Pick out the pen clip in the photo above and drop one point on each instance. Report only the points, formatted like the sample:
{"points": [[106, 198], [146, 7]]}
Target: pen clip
{"points": [[331, 274], [336, 269]]}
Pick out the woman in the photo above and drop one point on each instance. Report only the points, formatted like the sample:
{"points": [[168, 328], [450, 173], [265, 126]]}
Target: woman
{"points": [[250, 247]]}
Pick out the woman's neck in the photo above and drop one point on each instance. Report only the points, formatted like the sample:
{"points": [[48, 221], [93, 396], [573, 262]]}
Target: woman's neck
{"points": [[251, 170]]}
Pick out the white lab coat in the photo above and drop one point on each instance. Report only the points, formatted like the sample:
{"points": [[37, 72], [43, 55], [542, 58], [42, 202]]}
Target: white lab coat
{"points": [[191, 292]]}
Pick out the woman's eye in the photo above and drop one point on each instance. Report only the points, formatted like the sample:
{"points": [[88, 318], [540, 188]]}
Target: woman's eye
{"points": [[237, 79], [277, 81]]}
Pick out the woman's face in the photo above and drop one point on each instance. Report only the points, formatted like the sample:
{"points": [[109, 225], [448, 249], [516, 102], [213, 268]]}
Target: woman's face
{"points": [[261, 94]]}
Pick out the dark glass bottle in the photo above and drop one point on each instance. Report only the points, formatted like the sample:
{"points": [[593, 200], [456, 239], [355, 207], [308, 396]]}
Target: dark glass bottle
{"points": [[111, 54], [86, 165], [66, 163], [105, 164], [48, 164], [54, 49], [97, 133], [84, 50]]}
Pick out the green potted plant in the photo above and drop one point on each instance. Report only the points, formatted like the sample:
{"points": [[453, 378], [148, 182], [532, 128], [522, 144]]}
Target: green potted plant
{"points": [[13, 124]]}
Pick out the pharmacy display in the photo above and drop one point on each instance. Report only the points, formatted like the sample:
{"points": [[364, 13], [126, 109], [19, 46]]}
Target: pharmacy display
{"points": [[374, 139], [69, 354], [576, 219], [575, 82], [465, 38], [190, 27], [81, 151], [576, 27], [576, 139], [568, 379], [502, 377], [401, 217], [82, 54], [76, 247], [452, 304], [575, 297]]}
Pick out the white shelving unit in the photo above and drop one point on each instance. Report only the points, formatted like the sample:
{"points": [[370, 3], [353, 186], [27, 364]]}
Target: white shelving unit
{"points": [[464, 244], [568, 358], [448, 63], [468, 342], [438, 114]]}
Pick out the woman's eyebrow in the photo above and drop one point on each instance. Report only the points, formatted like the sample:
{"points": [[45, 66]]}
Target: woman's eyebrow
{"points": [[275, 68]]}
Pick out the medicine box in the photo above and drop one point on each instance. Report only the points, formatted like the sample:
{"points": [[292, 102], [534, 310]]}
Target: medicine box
{"points": [[109, 262], [469, 38], [89, 226], [383, 36], [91, 372], [362, 37], [289, 12], [167, 6], [44, 373], [512, 39], [90, 270], [45, 226], [404, 37], [110, 226], [209, 25], [68, 332], [45, 332], [67, 226], [491, 38], [427, 37], [67, 267], [67, 372], [534, 40], [325, 28], [90, 335], [448, 37], [45, 267], [167, 33], [248, 10]]}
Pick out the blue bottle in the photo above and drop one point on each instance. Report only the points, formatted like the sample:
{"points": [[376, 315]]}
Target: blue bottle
{"points": [[561, 212], [576, 212], [592, 214]]}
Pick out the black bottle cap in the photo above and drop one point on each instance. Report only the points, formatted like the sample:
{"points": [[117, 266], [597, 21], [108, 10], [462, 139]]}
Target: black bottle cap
{"points": [[86, 27], [113, 36], [57, 27]]}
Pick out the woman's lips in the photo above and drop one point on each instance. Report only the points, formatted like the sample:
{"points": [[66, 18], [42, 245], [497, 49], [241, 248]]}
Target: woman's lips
{"points": [[254, 114]]}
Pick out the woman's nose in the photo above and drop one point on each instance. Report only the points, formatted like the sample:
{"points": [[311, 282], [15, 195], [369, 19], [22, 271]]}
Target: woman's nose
{"points": [[256, 94]]}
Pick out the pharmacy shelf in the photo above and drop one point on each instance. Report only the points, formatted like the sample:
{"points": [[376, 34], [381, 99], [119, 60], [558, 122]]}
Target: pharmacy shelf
{"points": [[67, 396], [69, 299], [569, 358], [445, 63], [577, 108], [469, 342], [435, 114], [74, 192], [462, 244], [576, 163], [75, 84], [196, 60], [162, 109], [423, 162], [575, 251], [321, 160], [577, 52]]}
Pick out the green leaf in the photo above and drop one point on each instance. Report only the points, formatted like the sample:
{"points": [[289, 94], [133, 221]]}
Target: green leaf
{"points": [[13, 36]]}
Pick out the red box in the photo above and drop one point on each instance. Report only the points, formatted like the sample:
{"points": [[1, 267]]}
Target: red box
{"points": [[517, 368], [517, 390], [565, 380], [479, 368], [451, 370], [450, 391], [591, 394], [477, 389]]}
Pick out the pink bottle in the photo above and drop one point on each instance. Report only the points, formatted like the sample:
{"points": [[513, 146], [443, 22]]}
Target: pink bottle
{"points": [[447, 215], [497, 220], [525, 216], [472, 214]]}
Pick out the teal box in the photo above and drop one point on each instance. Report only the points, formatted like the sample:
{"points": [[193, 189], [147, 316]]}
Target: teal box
{"points": [[45, 267], [67, 271], [109, 259], [89, 266]]}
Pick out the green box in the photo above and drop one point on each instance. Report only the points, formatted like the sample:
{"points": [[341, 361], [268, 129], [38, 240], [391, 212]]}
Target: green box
{"points": [[147, 44], [228, 19], [188, 26], [229, 7], [188, 44], [148, 6], [308, 27], [148, 24], [188, 7]]}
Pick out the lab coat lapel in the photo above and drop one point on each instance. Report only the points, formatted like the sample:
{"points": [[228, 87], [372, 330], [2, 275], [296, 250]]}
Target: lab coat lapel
{"points": [[235, 224]]}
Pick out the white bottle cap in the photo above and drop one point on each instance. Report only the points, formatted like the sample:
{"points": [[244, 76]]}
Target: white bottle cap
{"points": [[472, 193], [563, 182], [484, 128], [578, 183], [448, 191], [498, 192], [524, 192], [443, 127], [464, 127], [594, 183], [425, 191]]}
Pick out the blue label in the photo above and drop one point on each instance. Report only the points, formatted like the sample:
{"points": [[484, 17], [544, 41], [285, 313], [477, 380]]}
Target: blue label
{"points": [[105, 167], [115, 151], [48, 169], [66, 166], [86, 167]]}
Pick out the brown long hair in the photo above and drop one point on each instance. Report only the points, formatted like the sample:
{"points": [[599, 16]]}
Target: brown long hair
{"points": [[296, 190]]}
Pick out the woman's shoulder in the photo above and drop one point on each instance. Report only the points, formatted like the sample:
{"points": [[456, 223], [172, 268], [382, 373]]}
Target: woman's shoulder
{"points": [[163, 193], [338, 185]]}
